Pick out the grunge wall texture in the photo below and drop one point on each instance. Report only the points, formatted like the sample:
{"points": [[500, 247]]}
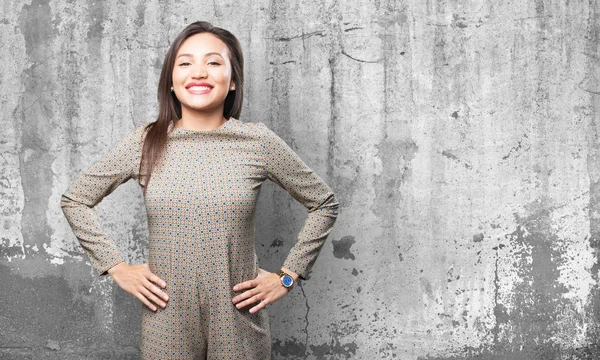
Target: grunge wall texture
{"points": [[461, 137]]}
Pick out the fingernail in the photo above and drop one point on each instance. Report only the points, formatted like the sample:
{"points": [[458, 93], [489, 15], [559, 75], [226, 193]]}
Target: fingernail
{"points": [[166, 297]]}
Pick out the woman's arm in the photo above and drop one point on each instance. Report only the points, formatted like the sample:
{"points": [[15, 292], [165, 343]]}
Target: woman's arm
{"points": [[115, 167], [285, 168]]}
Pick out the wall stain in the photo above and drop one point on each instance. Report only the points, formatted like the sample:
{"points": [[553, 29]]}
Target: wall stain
{"points": [[396, 149], [277, 242], [426, 286], [451, 156], [292, 348], [341, 351], [341, 248], [36, 103], [517, 149], [288, 348]]}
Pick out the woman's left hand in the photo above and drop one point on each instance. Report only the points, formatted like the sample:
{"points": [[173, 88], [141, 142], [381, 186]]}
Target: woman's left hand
{"points": [[266, 287]]}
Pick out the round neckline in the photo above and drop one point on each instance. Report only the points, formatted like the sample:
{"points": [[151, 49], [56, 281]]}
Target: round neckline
{"points": [[222, 126]]}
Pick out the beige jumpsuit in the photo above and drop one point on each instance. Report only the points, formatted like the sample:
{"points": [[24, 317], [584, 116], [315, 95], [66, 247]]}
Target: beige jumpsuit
{"points": [[201, 211]]}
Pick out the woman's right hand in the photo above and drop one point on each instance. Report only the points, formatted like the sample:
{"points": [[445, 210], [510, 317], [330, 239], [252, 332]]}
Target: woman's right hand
{"points": [[140, 282]]}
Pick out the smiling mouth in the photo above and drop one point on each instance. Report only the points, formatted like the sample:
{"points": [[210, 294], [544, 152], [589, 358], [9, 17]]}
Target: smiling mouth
{"points": [[199, 89]]}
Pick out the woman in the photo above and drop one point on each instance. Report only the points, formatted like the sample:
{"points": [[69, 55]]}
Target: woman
{"points": [[201, 169]]}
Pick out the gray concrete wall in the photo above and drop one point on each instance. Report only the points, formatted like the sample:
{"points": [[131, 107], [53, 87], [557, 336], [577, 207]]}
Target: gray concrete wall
{"points": [[462, 140]]}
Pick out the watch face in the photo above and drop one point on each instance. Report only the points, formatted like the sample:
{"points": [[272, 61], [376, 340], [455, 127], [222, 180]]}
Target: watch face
{"points": [[287, 280]]}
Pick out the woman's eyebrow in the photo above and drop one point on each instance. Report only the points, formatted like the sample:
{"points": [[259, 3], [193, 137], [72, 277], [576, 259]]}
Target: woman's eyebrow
{"points": [[205, 55]]}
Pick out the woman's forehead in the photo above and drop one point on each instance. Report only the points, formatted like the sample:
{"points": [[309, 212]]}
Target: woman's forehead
{"points": [[200, 45]]}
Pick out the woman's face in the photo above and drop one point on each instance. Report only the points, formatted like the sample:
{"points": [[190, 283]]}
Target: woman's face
{"points": [[202, 75]]}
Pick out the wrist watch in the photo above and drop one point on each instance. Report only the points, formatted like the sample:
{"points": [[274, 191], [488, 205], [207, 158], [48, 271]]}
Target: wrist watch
{"points": [[286, 280]]}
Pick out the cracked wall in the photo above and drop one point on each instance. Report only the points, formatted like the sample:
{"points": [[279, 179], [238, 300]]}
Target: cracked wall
{"points": [[460, 137]]}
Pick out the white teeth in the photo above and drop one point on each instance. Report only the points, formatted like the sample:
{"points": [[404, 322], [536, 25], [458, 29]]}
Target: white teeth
{"points": [[199, 88]]}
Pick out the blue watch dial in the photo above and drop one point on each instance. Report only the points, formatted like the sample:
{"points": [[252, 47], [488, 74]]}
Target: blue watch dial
{"points": [[287, 280]]}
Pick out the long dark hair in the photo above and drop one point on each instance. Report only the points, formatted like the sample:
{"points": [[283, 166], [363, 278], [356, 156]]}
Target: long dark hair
{"points": [[169, 106]]}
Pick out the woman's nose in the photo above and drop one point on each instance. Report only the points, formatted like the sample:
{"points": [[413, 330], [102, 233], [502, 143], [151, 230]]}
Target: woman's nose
{"points": [[199, 71]]}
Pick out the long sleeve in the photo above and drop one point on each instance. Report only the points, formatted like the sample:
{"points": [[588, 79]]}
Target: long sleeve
{"points": [[285, 168], [115, 167]]}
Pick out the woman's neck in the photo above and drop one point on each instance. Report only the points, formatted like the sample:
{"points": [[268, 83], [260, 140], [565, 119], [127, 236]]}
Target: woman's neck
{"points": [[201, 122]]}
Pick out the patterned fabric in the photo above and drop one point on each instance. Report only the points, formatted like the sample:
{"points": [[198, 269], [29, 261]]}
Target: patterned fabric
{"points": [[201, 204]]}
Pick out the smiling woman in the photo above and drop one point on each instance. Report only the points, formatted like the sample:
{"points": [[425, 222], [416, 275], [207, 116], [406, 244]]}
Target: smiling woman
{"points": [[201, 169]]}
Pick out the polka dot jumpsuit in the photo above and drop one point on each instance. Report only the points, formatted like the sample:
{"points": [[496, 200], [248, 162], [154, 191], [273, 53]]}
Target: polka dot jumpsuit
{"points": [[201, 205]]}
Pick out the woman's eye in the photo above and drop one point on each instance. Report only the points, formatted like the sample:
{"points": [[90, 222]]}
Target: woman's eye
{"points": [[184, 63], [214, 62]]}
